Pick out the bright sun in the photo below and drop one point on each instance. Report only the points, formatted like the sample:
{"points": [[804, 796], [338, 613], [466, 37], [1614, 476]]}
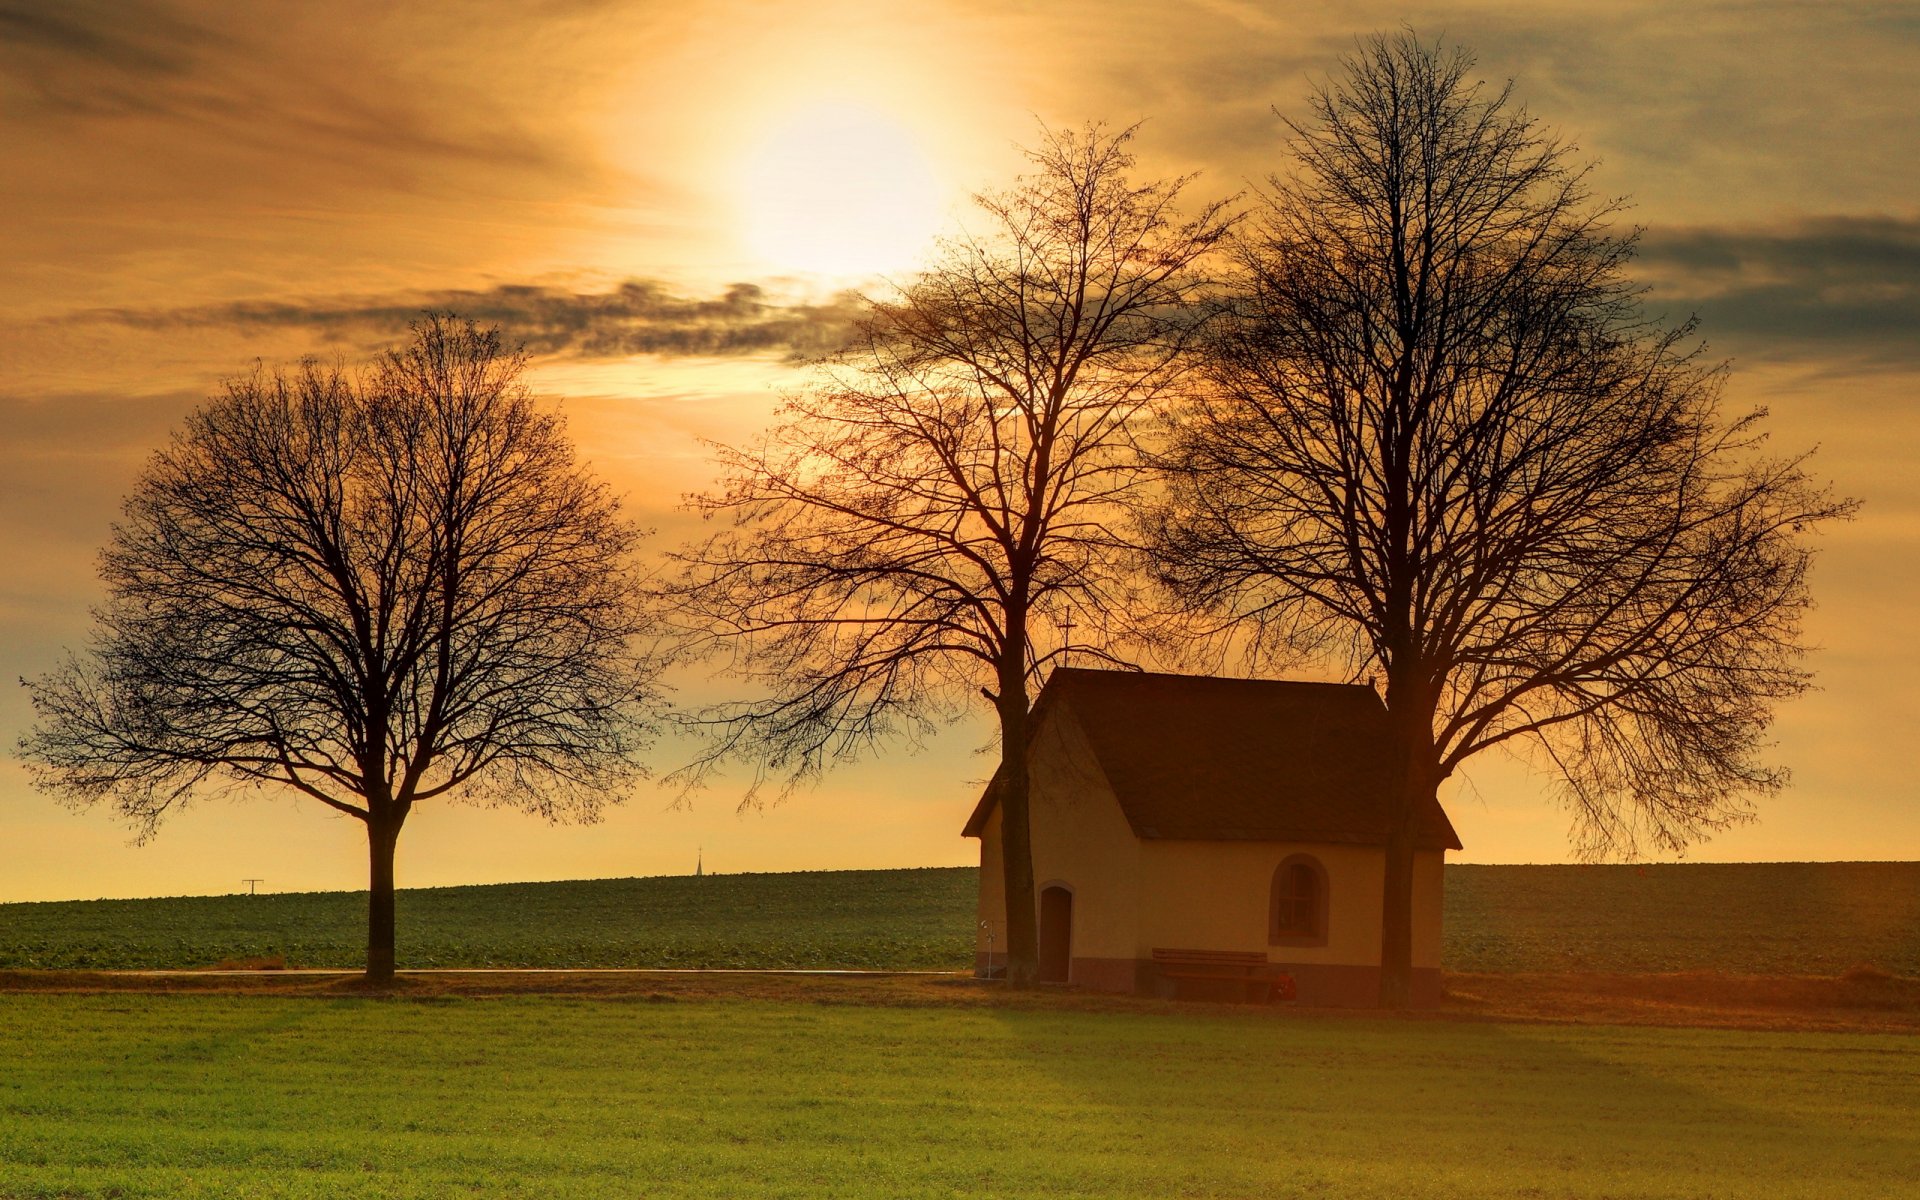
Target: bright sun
{"points": [[842, 191]]}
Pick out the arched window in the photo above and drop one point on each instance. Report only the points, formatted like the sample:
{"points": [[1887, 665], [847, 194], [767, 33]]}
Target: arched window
{"points": [[1297, 915]]}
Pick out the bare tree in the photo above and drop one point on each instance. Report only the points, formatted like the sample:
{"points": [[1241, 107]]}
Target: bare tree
{"points": [[919, 528], [374, 592], [1445, 444]]}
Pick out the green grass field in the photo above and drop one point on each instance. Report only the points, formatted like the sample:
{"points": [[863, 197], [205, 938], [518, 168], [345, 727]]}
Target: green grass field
{"points": [[1752, 918], [910, 919], [1763, 918], [225, 1096]]}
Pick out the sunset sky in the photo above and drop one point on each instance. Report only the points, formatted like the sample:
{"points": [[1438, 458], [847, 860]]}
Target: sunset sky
{"points": [[666, 203]]}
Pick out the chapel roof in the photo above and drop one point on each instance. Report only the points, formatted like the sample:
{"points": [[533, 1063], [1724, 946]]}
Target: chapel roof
{"points": [[1202, 758]]}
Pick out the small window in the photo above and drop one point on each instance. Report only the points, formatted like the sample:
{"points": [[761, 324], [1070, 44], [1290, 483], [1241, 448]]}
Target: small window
{"points": [[1299, 907], [1297, 910]]}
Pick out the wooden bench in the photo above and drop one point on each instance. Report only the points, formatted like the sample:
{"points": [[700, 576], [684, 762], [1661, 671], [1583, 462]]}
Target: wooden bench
{"points": [[1248, 969]]}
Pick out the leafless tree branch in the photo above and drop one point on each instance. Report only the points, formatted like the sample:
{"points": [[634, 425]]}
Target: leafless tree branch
{"points": [[1444, 442], [375, 591], [928, 514]]}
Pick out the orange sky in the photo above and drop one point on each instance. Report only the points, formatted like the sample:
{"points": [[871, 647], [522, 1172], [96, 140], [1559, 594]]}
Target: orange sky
{"points": [[193, 185]]}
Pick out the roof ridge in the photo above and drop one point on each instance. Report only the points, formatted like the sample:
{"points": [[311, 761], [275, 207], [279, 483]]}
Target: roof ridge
{"points": [[1114, 673]]}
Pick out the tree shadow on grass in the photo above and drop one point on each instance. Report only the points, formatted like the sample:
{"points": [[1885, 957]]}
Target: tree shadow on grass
{"points": [[1262, 1103]]}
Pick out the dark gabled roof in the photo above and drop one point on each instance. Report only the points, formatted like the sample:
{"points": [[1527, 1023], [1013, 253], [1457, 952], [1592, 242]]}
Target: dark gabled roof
{"points": [[1199, 758]]}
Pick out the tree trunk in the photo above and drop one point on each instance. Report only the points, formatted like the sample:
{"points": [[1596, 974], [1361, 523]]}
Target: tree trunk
{"points": [[1016, 842], [382, 837], [1396, 914], [1410, 728]]}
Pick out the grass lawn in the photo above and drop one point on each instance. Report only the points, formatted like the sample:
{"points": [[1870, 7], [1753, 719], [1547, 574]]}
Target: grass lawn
{"points": [[262, 1096]]}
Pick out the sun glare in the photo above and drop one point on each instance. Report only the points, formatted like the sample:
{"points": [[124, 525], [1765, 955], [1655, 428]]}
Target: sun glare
{"points": [[840, 191]]}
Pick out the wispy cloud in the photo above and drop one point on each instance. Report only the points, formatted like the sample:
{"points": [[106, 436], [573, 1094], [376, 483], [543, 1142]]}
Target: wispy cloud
{"points": [[131, 40], [1846, 287], [636, 317], [107, 59]]}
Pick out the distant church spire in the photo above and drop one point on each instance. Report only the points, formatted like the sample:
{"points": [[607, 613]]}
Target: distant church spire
{"points": [[700, 862]]}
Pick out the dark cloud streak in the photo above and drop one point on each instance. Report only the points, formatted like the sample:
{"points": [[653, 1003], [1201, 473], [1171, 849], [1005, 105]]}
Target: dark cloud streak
{"points": [[637, 317], [1845, 290], [1829, 287]]}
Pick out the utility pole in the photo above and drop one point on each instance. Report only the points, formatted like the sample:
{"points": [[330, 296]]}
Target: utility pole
{"points": [[250, 884]]}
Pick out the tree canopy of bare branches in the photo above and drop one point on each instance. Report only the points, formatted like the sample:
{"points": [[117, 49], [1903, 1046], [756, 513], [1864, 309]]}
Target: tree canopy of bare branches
{"points": [[373, 591], [938, 511], [1444, 443]]}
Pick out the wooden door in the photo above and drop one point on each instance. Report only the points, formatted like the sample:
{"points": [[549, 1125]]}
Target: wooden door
{"points": [[1056, 934]]}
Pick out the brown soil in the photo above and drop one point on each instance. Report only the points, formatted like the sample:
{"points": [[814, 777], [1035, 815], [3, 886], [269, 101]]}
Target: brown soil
{"points": [[1862, 1000]]}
